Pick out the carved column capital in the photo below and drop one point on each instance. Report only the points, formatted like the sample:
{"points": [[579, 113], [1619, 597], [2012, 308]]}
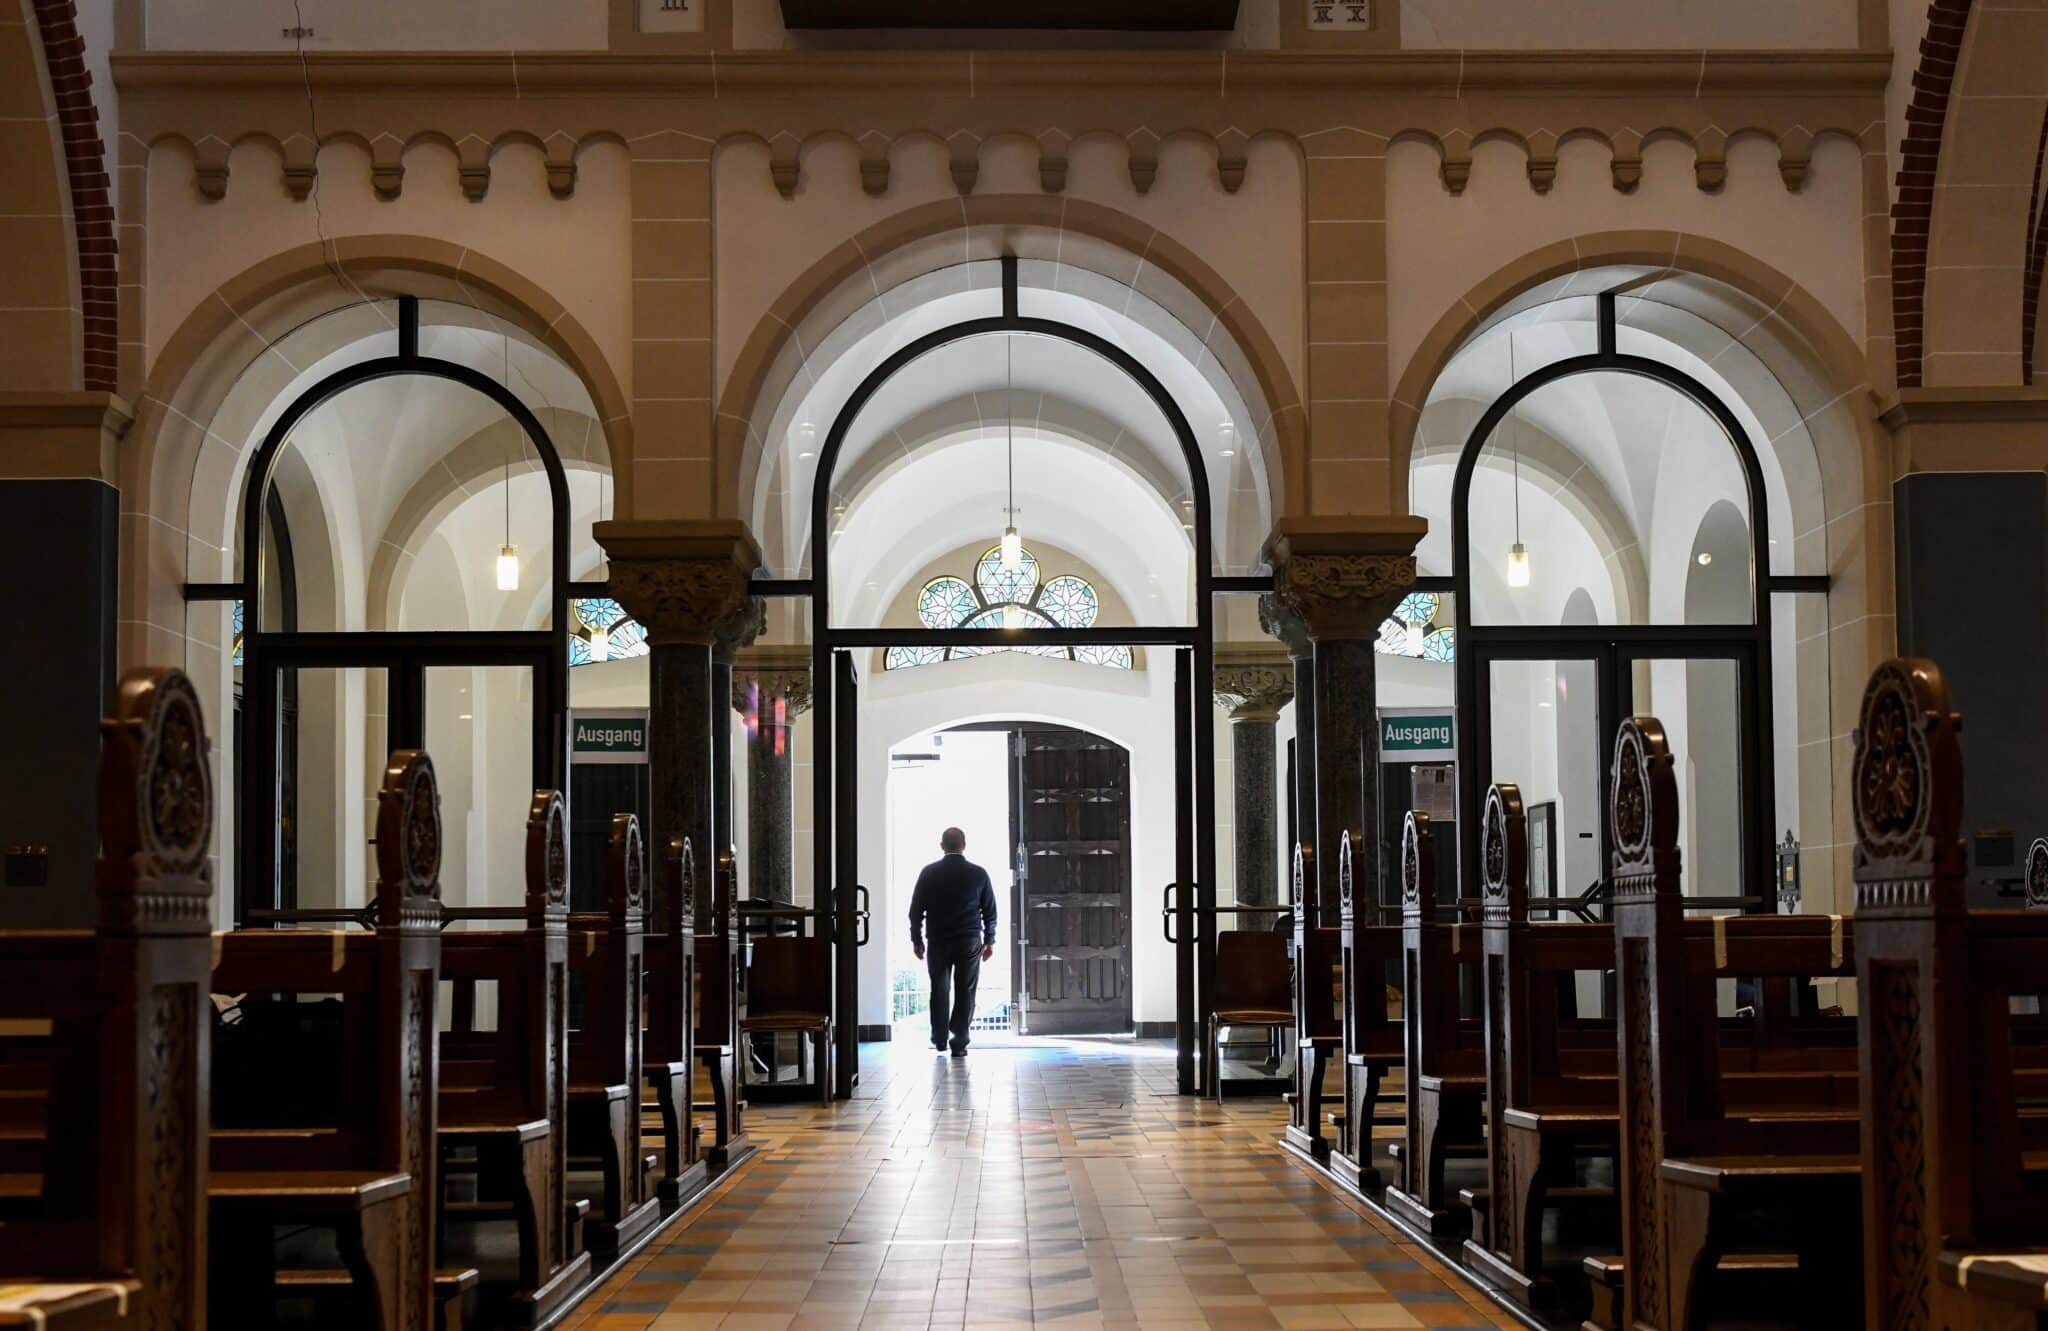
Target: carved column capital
{"points": [[1254, 689], [764, 676], [1286, 626], [740, 631], [1343, 576], [684, 579]]}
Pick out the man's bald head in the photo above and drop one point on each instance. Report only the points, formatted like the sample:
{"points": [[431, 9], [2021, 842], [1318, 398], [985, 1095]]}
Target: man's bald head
{"points": [[952, 841]]}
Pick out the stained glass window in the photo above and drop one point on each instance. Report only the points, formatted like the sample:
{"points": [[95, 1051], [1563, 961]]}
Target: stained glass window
{"points": [[1007, 598], [999, 584], [601, 630], [945, 603], [1416, 629], [238, 633]]}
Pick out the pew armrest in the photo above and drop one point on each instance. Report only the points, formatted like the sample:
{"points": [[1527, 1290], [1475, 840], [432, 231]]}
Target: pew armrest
{"points": [[463, 1133], [1752, 1173], [304, 1192], [2018, 1277]]}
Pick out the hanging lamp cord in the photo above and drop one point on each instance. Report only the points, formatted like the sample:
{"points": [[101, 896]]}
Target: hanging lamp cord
{"points": [[1514, 440], [1009, 434]]}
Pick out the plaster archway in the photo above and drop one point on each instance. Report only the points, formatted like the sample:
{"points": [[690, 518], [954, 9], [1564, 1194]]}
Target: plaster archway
{"points": [[1070, 231]]}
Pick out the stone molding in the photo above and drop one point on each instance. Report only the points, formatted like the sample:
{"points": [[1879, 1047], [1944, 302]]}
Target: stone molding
{"points": [[1343, 576], [62, 434], [684, 579], [1254, 688]]}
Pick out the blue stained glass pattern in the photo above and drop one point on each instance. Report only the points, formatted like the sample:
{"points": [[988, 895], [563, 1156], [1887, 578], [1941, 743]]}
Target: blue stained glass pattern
{"points": [[1417, 607], [903, 658], [1009, 617], [1394, 638], [600, 618], [1441, 645], [999, 584], [238, 634], [945, 603], [1069, 602]]}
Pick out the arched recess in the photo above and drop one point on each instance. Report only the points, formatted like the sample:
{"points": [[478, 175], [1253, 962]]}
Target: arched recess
{"points": [[949, 232]]}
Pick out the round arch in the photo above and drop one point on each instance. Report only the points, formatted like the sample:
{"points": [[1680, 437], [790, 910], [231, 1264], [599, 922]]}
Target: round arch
{"points": [[1016, 224], [1852, 459]]}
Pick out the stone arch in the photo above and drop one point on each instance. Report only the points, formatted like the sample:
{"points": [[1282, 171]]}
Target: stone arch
{"points": [[1854, 466], [990, 223], [173, 449]]}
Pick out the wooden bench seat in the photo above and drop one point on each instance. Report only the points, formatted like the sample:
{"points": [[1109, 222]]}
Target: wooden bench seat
{"points": [[1372, 1026], [104, 1042], [451, 1286]]}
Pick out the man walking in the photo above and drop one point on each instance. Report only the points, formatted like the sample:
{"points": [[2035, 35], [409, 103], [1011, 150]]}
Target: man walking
{"points": [[956, 905]]}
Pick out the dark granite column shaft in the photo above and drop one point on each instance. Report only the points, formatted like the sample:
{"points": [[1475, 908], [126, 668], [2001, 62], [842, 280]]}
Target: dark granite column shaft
{"points": [[1344, 692], [1252, 758], [770, 690], [679, 749]]}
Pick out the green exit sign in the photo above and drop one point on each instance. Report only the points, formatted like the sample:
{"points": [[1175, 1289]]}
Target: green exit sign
{"points": [[1417, 735], [608, 737]]}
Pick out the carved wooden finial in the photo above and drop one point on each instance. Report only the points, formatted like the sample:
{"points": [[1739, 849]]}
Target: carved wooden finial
{"points": [[625, 869], [726, 896], [155, 807], [678, 914], [1304, 871], [1504, 853], [2037, 874], [408, 841], [1418, 867], [1906, 791], [1347, 852], [1642, 808], [547, 857]]}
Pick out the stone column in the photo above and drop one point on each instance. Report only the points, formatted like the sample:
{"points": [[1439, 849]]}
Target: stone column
{"points": [[1293, 634], [1254, 688], [1342, 576], [685, 580], [771, 690], [737, 634]]}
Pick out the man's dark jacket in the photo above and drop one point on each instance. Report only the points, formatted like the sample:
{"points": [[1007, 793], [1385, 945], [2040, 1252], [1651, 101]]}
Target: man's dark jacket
{"points": [[954, 902]]}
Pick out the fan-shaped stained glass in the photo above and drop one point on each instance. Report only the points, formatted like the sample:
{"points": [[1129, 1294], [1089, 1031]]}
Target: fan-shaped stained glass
{"points": [[1417, 607], [902, 658], [1116, 658], [238, 633], [1397, 639], [1069, 602], [1441, 645], [999, 584], [596, 620], [945, 603], [1009, 617]]}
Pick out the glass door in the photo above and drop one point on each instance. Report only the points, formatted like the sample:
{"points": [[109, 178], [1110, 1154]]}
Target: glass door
{"points": [[1544, 727]]}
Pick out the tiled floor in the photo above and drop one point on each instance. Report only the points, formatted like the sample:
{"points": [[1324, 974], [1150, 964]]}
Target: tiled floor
{"points": [[1062, 1184]]}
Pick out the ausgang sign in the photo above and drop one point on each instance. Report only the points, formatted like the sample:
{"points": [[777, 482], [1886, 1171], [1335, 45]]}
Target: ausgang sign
{"points": [[1417, 735], [608, 737]]}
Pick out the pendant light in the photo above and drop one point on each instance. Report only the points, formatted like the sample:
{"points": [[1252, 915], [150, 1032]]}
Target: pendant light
{"points": [[508, 553], [1518, 554], [1013, 544]]}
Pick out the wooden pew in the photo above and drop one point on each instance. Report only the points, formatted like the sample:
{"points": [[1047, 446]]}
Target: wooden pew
{"points": [[104, 1045], [1951, 1083], [1253, 987], [1713, 1136], [789, 988], [1443, 1054], [717, 1008], [605, 1074], [1318, 1023], [504, 1093], [670, 952], [1551, 1095], [367, 1169], [1373, 1032]]}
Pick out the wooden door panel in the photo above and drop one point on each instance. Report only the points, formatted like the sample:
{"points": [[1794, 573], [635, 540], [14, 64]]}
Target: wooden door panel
{"points": [[1073, 824]]}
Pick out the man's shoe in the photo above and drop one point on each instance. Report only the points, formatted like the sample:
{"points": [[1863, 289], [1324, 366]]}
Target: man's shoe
{"points": [[938, 1047], [959, 1051]]}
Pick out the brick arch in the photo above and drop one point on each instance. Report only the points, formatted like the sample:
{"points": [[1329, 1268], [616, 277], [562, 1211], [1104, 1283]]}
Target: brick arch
{"points": [[1919, 163], [987, 221]]}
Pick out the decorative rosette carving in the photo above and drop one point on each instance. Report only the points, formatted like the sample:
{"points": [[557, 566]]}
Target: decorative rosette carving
{"points": [[1342, 596], [1418, 867], [155, 803], [2037, 874], [547, 853], [1347, 851], [681, 600], [408, 833], [1504, 853], [1642, 805], [1304, 871], [678, 915], [1906, 785], [627, 867]]}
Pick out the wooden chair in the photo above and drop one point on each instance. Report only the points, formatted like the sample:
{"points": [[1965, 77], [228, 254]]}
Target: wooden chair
{"points": [[1251, 988], [605, 1054], [717, 1040], [504, 1093], [670, 953], [368, 1173], [1372, 1024], [1950, 1118], [789, 988], [1443, 1055], [103, 1169]]}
